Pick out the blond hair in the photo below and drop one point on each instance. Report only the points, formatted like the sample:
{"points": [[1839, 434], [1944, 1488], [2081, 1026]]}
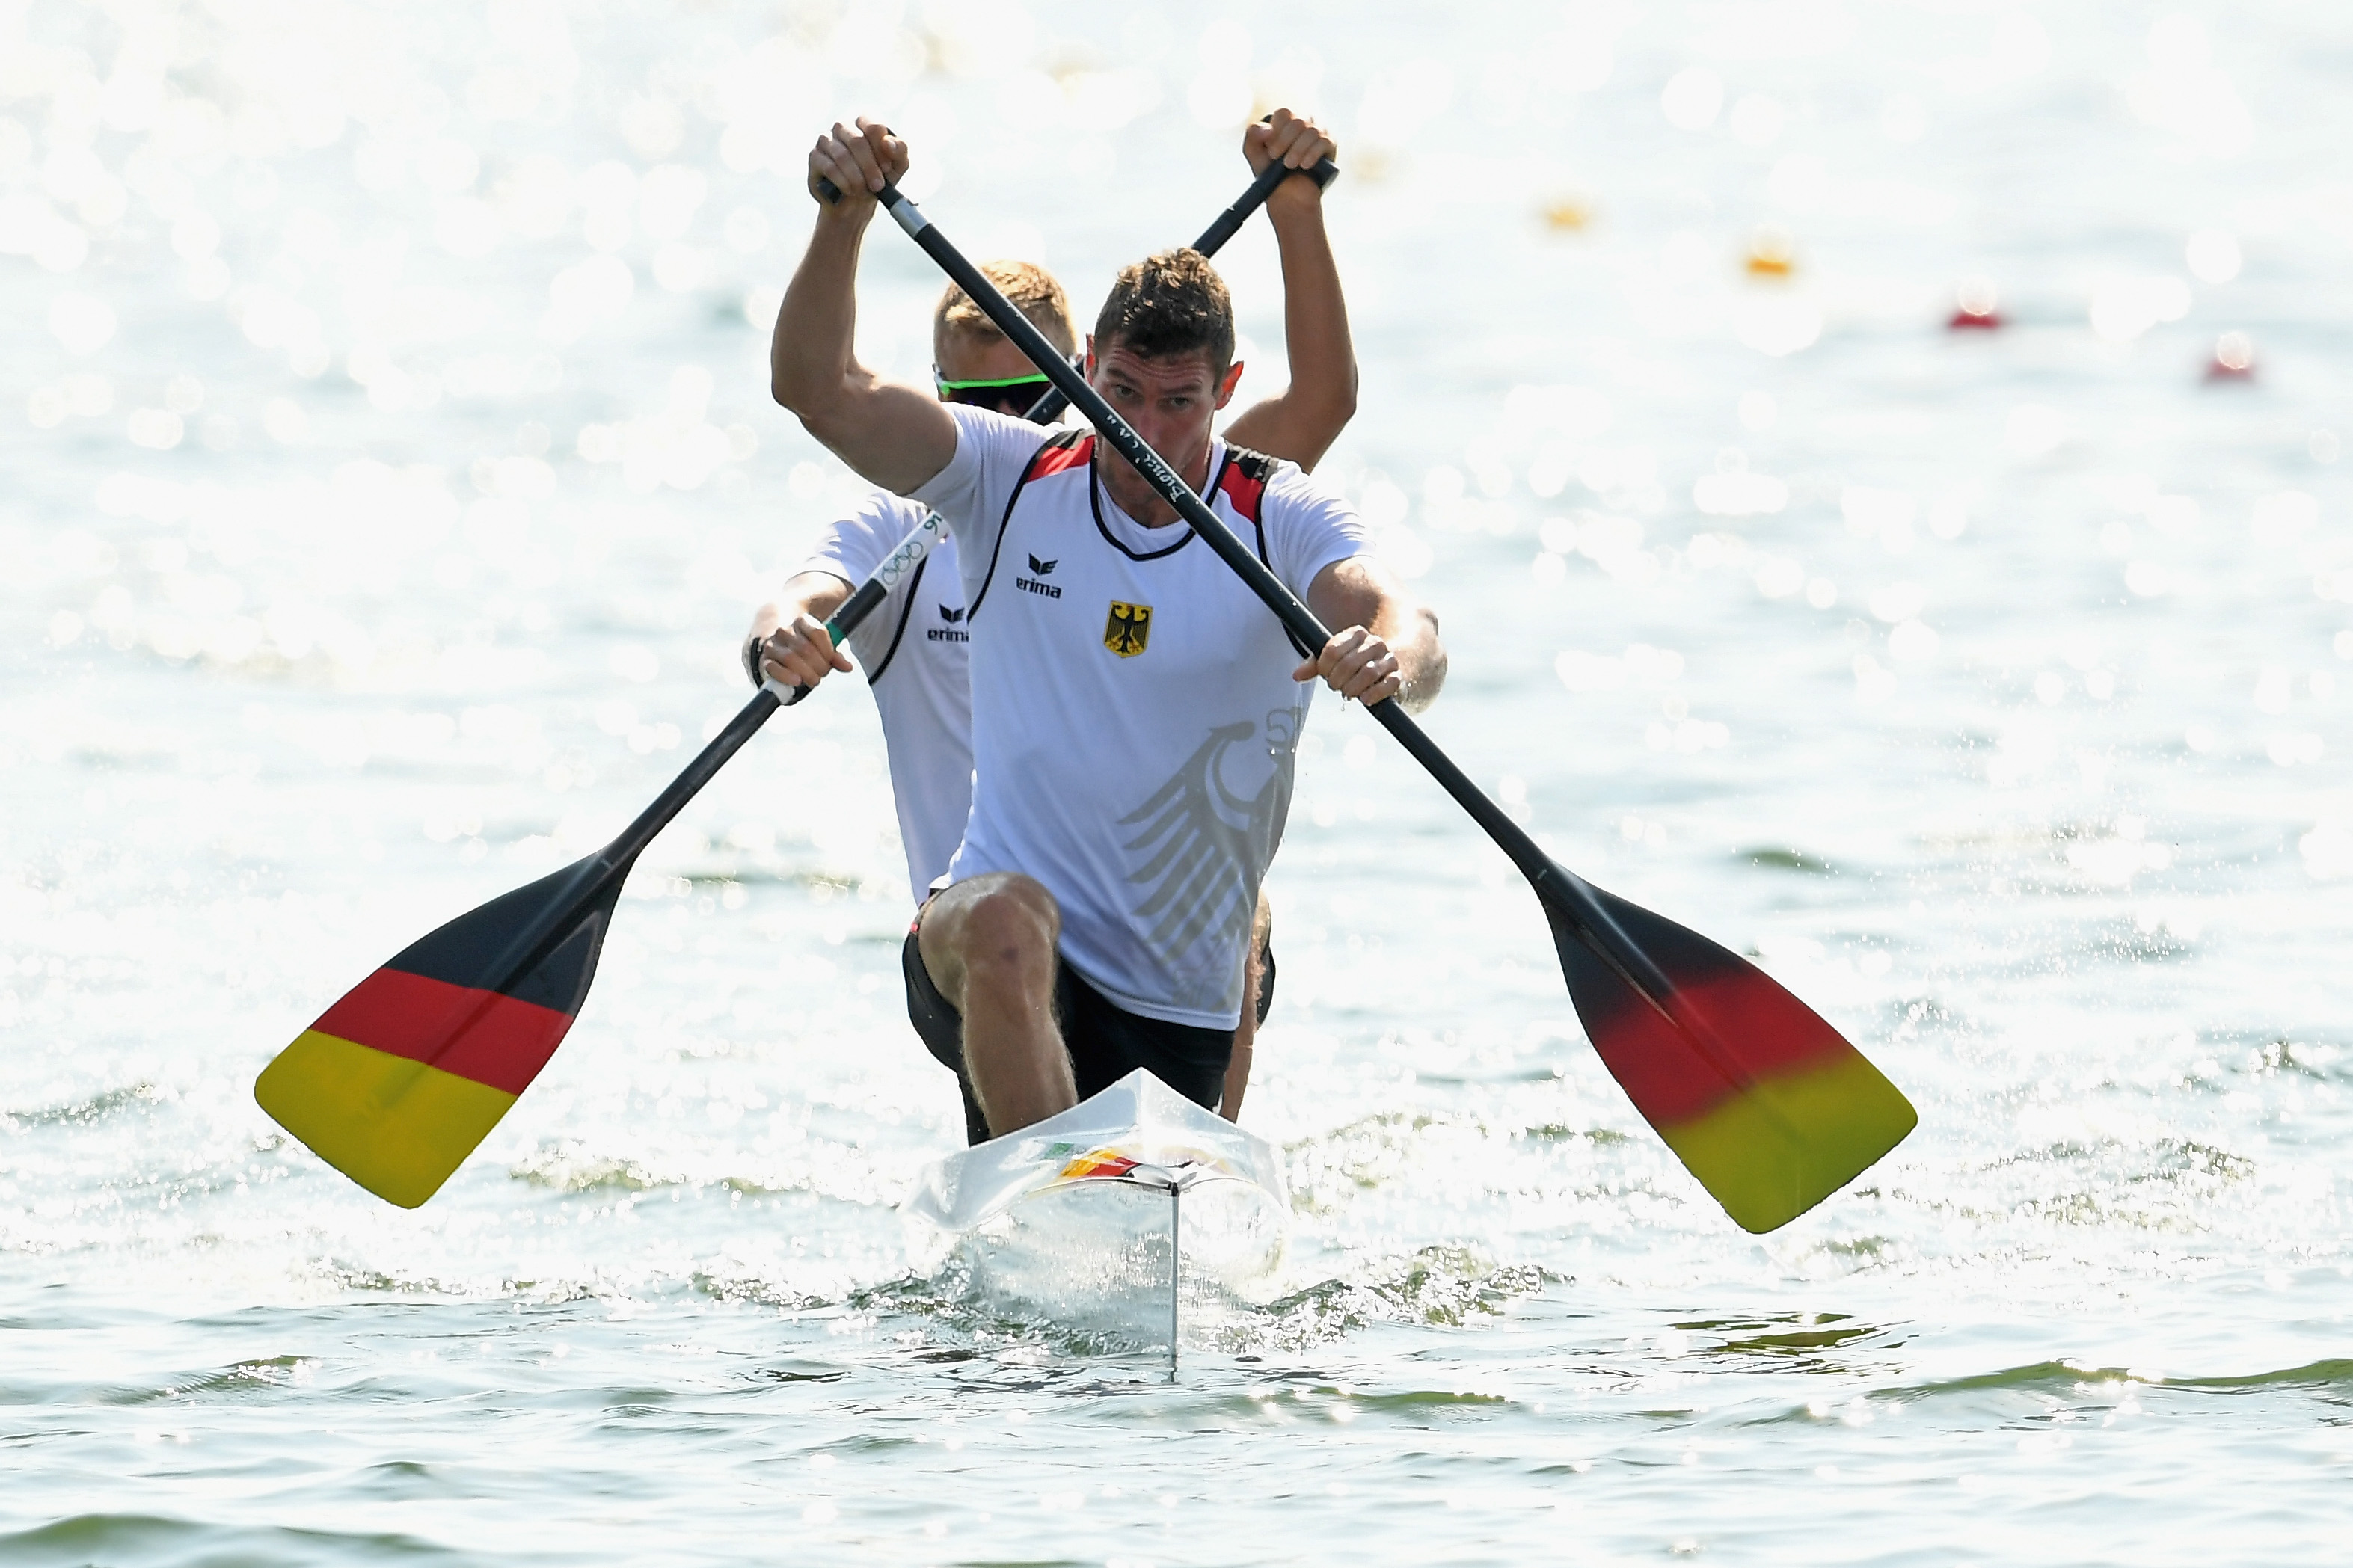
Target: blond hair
{"points": [[1034, 293]]}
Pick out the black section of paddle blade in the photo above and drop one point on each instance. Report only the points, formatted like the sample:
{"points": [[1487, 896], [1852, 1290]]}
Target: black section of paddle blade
{"points": [[485, 948], [1662, 1071]]}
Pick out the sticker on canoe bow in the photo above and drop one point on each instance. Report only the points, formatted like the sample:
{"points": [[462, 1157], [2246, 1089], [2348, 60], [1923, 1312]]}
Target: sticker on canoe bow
{"points": [[1117, 1159]]}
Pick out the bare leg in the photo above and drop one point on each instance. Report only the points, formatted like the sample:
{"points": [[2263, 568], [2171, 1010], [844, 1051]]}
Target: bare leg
{"points": [[988, 945], [1238, 1069]]}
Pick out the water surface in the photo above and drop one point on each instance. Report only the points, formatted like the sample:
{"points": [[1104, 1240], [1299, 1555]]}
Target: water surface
{"points": [[391, 473]]}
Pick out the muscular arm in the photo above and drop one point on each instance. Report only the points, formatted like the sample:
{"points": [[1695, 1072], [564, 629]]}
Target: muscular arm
{"points": [[1301, 422], [897, 436], [1387, 642]]}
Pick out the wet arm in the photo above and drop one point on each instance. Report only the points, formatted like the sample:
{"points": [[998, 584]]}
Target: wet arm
{"points": [[791, 628], [897, 436], [1382, 636], [1302, 421]]}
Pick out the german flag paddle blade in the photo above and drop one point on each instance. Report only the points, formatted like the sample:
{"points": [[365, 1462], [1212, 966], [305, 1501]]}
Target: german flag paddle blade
{"points": [[396, 1083], [1766, 1104]]}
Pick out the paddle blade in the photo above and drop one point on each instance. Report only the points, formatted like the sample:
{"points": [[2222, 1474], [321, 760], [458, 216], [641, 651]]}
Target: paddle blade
{"points": [[396, 1083], [1766, 1104]]}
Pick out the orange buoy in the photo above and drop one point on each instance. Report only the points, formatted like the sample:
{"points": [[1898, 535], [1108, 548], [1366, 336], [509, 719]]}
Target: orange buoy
{"points": [[1567, 215], [2235, 358], [1975, 307], [1770, 253]]}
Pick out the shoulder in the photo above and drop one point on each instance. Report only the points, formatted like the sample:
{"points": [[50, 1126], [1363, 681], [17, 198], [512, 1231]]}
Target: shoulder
{"points": [[881, 515], [860, 539], [1288, 491], [1062, 448], [1308, 525], [1243, 475], [996, 438]]}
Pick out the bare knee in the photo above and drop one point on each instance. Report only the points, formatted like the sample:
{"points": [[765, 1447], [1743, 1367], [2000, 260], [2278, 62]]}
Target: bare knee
{"points": [[997, 931], [1009, 930]]}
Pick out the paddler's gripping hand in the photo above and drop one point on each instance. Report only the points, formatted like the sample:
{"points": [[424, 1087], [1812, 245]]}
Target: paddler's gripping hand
{"points": [[858, 161], [1357, 664], [1295, 142], [799, 653]]}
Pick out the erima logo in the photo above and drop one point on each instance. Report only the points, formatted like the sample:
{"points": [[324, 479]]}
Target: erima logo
{"points": [[1031, 585], [950, 632]]}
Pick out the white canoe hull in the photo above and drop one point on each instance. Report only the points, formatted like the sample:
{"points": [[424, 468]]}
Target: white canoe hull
{"points": [[1073, 1213]]}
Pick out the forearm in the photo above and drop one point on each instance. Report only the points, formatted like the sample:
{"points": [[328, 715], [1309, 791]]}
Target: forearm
{"points": [[1412, 632], [1303, 421], [1381, 634], [1314, 315], [813, 593], [789, 640]]}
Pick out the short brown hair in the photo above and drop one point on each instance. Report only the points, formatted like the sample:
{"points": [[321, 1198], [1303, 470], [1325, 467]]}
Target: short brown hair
{"points": [[1169, 304], [1034, 293]]}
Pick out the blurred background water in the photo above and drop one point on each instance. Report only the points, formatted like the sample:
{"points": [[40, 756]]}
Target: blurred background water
{"points": [[389, 475]]}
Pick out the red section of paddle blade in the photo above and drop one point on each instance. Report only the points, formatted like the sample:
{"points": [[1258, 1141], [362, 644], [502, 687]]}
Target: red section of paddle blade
{"points": [[400, 1080], [1762, 1101], [479, 949]]}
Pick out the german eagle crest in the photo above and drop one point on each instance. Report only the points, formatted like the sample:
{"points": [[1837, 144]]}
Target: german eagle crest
{"points": [[1128, 628]]}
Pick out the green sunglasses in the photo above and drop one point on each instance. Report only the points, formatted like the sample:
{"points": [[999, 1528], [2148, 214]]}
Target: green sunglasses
{"points": [[1013, 395]]}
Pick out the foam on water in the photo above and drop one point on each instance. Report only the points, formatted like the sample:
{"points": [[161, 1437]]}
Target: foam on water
{"points": [[390, 474]]}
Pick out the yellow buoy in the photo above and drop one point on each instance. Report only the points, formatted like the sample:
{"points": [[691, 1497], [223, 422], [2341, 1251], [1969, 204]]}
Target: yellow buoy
{"points": [[1770, 253], [1567, 215]]}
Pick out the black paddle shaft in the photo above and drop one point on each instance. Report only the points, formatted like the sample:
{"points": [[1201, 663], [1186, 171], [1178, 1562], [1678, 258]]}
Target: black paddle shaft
{"points": [[1559, 887], [597, 874], [1213, 239]]}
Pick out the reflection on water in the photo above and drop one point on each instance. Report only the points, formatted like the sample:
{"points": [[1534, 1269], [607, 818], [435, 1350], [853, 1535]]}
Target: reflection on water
{"points": [[1881, 474]]}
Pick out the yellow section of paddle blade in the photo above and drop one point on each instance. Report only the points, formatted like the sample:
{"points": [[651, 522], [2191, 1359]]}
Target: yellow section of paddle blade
{"points": [[396, 1127], [1788, 1141]]}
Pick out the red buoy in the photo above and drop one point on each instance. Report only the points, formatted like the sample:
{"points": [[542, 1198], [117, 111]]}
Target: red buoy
{"points": [[1973, 307], [2235, 358]]}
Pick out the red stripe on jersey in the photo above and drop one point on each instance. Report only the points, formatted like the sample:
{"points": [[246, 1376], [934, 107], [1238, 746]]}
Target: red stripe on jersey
{"points": [[1244, 492], [1053, 457]]}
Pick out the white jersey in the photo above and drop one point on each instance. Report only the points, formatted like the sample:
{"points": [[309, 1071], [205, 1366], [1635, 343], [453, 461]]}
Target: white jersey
{"points": [[1134, 714], [913, 651]]}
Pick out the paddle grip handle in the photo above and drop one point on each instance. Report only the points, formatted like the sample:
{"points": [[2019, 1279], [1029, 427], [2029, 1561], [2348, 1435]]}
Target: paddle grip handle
{"points": [[1229, 222]]}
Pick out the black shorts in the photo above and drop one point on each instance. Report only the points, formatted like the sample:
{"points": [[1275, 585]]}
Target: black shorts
{"points": [[1106, 1042]]}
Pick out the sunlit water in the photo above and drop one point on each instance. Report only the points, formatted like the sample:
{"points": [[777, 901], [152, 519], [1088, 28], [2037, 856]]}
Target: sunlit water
{"points": [[389, 471]]}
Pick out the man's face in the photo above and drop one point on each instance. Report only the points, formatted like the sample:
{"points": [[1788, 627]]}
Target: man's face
{"points": [[1172, 403]]}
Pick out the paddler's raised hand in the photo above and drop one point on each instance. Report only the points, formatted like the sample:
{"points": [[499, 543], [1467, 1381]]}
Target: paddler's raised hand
{"points": [[1293, 141], [859, 160], [1357, 664]]}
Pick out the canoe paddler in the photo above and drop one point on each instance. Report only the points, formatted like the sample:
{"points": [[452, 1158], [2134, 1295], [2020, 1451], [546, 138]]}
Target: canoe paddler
{"points": [[914, 648], [1135, 710]]}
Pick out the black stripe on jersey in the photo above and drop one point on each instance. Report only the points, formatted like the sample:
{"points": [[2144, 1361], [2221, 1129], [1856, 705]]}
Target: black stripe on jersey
{"points": [[1259, 467], [1094, 503], [914, 584], [1063, 439]]}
